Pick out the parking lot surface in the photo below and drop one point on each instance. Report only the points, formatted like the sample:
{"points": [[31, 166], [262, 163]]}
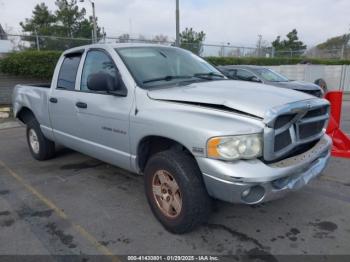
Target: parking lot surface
{"points": [[73, 204]]}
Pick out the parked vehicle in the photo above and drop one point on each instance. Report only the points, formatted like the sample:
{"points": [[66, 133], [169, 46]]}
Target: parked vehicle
{"points": [[267, 76], [167, 114], [322, 83]]}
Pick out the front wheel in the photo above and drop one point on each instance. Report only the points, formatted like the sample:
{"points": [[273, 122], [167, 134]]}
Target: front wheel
{"points": [[176, 192], [40, 147]]}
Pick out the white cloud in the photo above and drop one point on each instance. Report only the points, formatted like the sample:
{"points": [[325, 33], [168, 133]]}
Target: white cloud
{"points": [[235, 21]]}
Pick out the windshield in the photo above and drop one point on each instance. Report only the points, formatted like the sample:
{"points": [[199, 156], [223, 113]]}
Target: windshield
{"points": [[156, 66], [272, 76]]}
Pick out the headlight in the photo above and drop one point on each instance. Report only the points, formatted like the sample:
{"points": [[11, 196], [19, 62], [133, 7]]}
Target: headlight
{"points": [[235, 147]]}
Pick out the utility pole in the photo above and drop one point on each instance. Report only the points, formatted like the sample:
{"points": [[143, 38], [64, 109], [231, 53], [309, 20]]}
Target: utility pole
{"points": [[259, 45], [130, 28], [104, 35], [94, 21], [346, 39], [346, 42], [177, 43]]}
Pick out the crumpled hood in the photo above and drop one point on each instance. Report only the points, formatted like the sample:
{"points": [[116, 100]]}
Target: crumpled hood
{"points": [[247, 97], [298, 85]]}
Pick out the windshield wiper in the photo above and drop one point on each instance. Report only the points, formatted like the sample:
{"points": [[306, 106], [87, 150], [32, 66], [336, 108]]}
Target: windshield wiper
{"points": [[166, 78], [209, 75]]}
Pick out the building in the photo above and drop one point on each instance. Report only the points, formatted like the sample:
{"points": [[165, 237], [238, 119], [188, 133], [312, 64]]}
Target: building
{"points": [[3, 35], [5, 44]]}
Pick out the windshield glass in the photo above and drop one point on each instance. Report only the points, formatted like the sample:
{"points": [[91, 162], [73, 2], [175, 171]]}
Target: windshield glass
{"points": [[272, 76], [156, 66]]}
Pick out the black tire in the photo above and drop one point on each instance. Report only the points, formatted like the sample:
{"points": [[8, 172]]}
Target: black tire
{"points": [[46, 148], [196, 203]]}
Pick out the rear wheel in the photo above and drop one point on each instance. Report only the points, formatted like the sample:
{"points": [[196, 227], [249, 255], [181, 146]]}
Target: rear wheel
{"points": [[176, 192], [40, 147]]}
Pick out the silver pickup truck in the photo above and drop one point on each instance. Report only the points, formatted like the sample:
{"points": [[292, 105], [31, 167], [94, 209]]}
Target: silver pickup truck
{"points": [[167, 114]]}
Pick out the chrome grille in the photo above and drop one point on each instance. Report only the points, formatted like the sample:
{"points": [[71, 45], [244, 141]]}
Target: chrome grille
{"points": [[294, 125]]}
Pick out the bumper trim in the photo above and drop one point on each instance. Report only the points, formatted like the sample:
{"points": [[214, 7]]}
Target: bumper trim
{"points": [[278, 181]]}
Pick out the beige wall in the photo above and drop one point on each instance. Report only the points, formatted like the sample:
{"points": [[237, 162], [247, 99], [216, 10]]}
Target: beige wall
{"points": [[337, 77]]}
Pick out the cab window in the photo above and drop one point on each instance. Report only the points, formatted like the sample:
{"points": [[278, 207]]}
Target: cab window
{"points": [[96, 62], [68, 72]]}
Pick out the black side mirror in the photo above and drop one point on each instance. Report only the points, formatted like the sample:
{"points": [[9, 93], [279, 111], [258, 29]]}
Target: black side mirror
{"points": [[105, 82], [255, 79]]}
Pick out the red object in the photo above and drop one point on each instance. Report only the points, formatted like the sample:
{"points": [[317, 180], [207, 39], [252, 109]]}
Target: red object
{"points": [[341, 141]]}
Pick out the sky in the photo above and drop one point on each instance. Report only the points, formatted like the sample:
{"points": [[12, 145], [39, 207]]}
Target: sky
{"points": [[238, 22]]}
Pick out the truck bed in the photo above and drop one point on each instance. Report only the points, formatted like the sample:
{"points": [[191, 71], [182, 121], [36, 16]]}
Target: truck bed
{"points": [[35, 98], [43, 85]]}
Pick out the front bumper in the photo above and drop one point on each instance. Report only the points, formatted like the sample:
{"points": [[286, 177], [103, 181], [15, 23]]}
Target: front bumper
{"points": [[254, 182]]}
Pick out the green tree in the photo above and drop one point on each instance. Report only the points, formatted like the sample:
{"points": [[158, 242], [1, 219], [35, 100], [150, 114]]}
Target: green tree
{"points": [[192, 40], [72, 19], [335, 42], [160, 39], [41, 21], [67, 21], [124, 38], [291, 44]]}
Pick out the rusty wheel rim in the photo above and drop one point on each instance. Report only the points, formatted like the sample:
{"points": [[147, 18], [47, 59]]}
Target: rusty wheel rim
{"points": [[166, 193]]}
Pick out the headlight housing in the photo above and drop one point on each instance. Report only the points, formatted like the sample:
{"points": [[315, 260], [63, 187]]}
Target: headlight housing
{"points": [[231, 148]]}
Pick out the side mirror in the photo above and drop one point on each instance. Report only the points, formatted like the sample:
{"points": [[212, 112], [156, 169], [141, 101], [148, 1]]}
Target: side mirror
{"points": [[105, 82], [255, 79]]}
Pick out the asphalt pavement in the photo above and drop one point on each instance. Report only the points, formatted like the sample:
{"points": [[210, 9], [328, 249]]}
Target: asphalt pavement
{"points": [[74, 204]]}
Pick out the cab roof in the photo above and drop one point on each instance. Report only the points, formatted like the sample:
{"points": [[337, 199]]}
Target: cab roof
{"points": [[113, 45]]}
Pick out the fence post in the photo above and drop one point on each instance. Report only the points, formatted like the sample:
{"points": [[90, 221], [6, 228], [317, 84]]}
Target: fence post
{"points": [[37, 40]]}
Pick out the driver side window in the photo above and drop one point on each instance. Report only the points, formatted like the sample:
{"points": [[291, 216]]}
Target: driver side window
{"points": [[96, 62], [244, 75]]}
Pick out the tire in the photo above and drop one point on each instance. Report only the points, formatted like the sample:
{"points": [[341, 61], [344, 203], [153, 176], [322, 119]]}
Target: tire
{"points": [[195, 204], [42, 148]]}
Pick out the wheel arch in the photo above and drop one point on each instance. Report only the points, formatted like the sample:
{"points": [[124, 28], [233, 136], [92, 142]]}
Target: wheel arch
{"points": [[25, 115], [150, 145]]}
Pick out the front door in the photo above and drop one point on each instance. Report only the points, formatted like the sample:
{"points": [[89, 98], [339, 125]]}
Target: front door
{"points": [[104, 118]]}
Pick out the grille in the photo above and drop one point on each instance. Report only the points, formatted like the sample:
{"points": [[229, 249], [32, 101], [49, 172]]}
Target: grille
{"points": [[282, 140], [317, 93], [295, 127], [283, 120], [311, 129], [317, 112]]}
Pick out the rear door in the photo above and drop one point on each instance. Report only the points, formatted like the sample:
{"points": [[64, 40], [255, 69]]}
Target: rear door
{"points": [[62, 102]]}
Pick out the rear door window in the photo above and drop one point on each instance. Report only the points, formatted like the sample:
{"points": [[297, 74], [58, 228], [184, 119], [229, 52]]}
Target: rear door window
{"points": [[68, 72]]}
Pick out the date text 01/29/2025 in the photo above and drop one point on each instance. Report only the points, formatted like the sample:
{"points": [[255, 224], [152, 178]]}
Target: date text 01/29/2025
{"points": [[173, 258]]}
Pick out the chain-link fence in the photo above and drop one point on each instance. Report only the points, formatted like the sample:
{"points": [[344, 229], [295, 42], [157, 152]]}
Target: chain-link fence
{"points": [[41, 42], [58, 43]]}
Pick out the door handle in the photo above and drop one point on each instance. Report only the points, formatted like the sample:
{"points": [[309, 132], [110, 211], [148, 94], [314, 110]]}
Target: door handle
{"points": [[53, 100], [81, 105]]}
